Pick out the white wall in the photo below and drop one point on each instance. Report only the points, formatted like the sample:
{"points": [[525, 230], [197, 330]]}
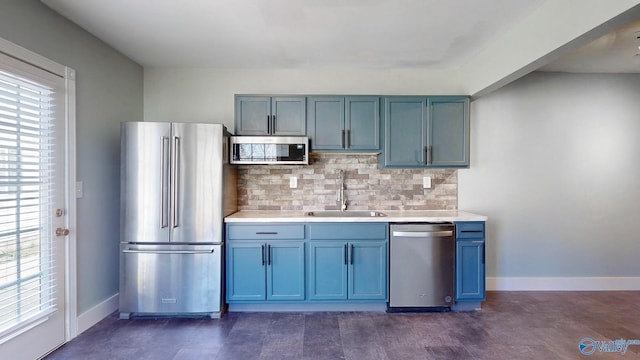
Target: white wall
{"points": [[108, 90], [206, 95], [554, 164]]}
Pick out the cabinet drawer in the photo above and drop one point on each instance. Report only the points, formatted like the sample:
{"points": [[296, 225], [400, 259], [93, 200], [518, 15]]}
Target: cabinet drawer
{"points": [[355, 231], [470, 230], [265, 231]]}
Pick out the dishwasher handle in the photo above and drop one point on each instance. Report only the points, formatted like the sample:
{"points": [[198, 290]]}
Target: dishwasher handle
{"points": [[423, 234]]}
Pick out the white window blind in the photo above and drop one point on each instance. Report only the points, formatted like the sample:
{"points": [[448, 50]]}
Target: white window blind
{"points": [[26, 195]]}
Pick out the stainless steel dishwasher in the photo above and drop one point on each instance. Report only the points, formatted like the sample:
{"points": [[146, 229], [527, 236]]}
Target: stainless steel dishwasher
{"points": [[421, 266]]}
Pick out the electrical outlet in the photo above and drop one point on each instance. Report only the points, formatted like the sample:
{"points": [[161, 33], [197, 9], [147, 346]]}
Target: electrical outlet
{"points": [[426, 182], [293, 182]]}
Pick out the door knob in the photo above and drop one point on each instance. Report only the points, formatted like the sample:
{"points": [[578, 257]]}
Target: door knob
{"points": [[62, 232]]}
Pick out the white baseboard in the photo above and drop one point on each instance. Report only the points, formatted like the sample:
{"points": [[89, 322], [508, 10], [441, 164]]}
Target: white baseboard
{"points": [[563, 283], [92, 316]]}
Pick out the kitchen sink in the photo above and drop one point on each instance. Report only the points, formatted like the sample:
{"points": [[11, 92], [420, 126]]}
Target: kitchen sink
{"points": [[334, 213]]}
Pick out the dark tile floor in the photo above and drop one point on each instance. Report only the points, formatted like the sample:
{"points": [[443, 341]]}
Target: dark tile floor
{"points": [[511, 325]]}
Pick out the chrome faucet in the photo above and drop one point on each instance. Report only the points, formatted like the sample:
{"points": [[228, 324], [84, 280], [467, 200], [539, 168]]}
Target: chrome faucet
{"points": [[342, 200]]}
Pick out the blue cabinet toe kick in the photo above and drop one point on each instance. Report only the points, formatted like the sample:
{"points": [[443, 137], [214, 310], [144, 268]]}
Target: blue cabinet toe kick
{"points": [[308, 306]]}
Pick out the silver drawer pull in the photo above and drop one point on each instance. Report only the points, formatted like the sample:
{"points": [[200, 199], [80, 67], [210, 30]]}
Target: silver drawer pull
{"points": [[266, 233], [423, 234]]}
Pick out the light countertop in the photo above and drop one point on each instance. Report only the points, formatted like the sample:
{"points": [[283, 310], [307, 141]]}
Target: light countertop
{"points": [[392, 216]]}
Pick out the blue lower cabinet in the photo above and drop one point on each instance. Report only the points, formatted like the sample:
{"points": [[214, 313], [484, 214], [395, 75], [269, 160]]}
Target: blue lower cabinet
{"points": [[368, 270], [285, 270], [302, 263], [246, 270], [258, 270], [342, 270], [327, 270], [470, 261]]}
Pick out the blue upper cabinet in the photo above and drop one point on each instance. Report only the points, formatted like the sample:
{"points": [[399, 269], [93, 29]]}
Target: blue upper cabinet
{"points": [[338, 123], [362, 123], [426, 131], [270, 115], [325, 121], [405, 126], [448, 131]]}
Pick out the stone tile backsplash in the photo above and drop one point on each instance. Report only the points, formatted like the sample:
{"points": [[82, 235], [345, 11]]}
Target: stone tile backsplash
{"points": [[266, 187]]}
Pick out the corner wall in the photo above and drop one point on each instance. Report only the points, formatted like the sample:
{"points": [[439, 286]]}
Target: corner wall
{"points": [[555, 166], [108, 90]]}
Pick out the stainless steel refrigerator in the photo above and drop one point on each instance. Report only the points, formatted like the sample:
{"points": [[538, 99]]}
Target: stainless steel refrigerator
{"points": [[176, 187]]}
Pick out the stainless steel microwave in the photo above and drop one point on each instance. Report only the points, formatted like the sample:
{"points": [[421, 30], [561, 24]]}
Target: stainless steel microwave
{"points": [[293, 150]]}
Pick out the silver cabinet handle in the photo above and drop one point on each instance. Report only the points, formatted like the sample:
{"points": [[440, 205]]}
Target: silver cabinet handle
{"points": [[268, 125], [176, 180], [423, 234], [164, 208], [426, 155], [273, 125], [351, 255], [133, 251], [346, 256]]}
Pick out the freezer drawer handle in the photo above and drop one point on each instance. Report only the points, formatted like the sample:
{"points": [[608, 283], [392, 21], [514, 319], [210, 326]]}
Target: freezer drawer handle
{"points": [[132, 251], [423, 234]]}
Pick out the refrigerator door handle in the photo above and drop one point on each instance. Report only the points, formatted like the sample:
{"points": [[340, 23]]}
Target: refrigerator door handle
{"points": [[164, 207], [132, 251], [176, 181]]}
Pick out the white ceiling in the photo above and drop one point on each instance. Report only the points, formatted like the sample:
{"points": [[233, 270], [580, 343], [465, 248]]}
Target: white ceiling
{"points": [[440, 34], [481, 44], [614, 52]]}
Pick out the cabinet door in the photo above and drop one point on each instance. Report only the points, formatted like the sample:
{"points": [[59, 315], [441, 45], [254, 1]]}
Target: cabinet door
{"points": [[246, 270], [285, 270], [470, 278], [405, 131], [325, 119], [448, 132], [288, 116], [253, 114], [327, 270], [362, 122], [367, 270]]}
